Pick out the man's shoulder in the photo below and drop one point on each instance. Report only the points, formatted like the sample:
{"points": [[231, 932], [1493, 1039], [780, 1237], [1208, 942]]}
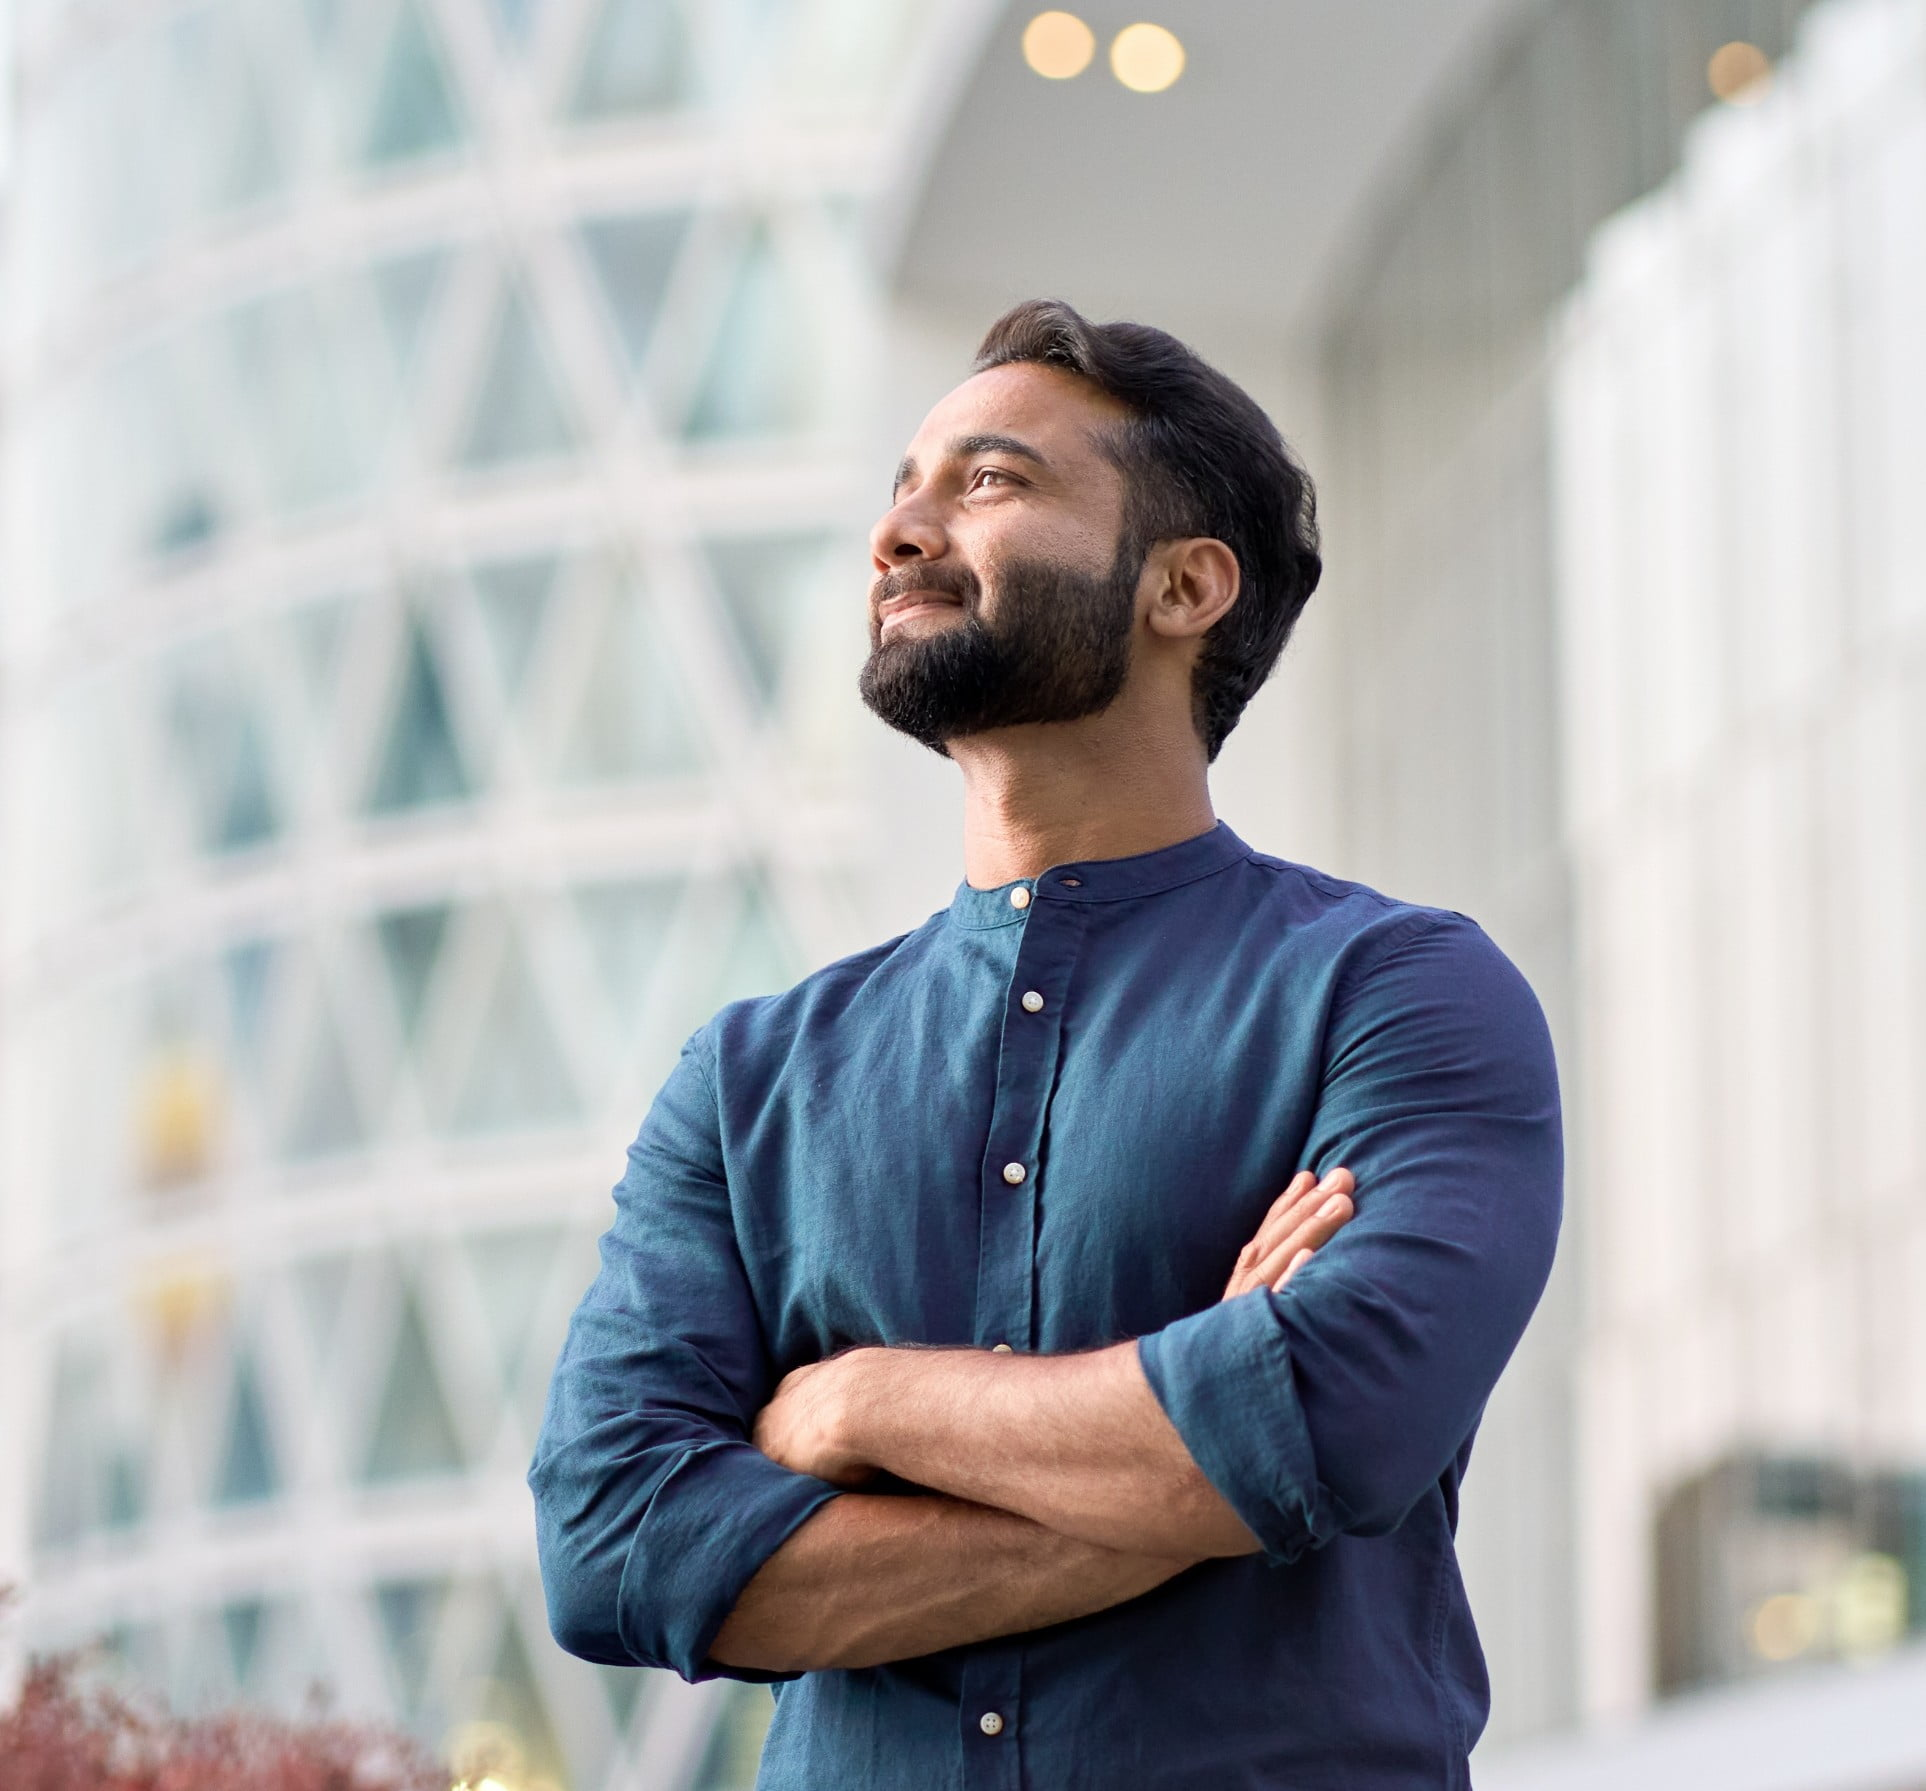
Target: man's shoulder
{"points": [[1303, 895], [824, 993], [1361, 936]]}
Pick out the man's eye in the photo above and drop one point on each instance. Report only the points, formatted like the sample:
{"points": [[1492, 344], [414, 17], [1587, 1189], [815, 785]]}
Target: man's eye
{"points": [[990, 472]]}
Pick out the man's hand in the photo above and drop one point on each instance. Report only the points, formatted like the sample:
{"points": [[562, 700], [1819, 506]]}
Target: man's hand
{"points": [[808, 1421], [802, 1426], [1303, 1218]]}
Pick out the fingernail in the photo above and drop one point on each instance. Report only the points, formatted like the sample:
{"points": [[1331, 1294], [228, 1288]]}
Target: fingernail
{"points": [[1330, 1180], [1332, 1207]]}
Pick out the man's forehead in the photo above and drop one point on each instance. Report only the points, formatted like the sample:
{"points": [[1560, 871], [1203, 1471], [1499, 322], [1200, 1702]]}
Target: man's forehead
{"points": [[1053, 411]]}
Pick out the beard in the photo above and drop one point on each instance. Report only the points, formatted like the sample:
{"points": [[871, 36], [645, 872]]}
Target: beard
{"points": [[1058, 650]]}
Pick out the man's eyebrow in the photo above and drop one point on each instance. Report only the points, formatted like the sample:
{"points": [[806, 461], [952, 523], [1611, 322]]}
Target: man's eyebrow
{"points": [[965, 445], [997, 444]]}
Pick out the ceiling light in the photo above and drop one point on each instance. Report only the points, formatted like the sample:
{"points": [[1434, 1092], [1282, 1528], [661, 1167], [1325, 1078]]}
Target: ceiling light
{"points": [[1058, 45], [1739, 73], [1146, 58]]}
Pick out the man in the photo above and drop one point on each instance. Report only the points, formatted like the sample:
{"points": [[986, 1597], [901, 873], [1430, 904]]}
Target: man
{"points": [[911, 1380]]}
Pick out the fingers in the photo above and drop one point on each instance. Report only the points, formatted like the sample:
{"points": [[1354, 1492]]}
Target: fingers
{"points": [[1308, 1213], [1270, 1229], [1295, 1207], [1317, 1226], [1276, 1223]]}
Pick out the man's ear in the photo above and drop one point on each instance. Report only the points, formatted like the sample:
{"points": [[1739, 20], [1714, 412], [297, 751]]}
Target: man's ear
{"points": [[1193, 583]]}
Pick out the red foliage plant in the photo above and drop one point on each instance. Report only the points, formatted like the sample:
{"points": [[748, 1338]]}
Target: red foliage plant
{"points": [[65, 1734]]}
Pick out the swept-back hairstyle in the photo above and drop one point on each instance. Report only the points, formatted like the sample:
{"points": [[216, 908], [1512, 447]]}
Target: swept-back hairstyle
{"points": [[1198, 457]]}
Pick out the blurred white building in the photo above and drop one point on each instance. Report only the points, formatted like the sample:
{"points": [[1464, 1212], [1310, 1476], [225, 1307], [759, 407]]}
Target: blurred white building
{"points": [[437, 436], [432, 484]]}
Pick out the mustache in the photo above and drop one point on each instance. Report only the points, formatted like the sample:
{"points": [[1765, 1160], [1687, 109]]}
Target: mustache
{"points": [[951, 581]]}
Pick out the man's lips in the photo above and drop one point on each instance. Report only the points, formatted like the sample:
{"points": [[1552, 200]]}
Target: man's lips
{"points": [[912, 603]]}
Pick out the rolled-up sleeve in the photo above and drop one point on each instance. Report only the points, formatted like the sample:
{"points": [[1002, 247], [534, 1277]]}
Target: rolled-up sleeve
{"points": [[653, 1509], [1332, 1407]]}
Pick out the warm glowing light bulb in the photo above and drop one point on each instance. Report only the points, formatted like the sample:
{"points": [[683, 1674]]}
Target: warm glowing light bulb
{"points": [[1146, 58], [1739, 73], [1784, 1626], [1058, 45]]}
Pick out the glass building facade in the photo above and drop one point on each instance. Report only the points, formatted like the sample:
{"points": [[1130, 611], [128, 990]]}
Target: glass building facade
{"points": [[433, 570]]}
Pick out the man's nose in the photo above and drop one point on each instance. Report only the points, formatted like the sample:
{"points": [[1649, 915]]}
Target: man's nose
{"points": [[908, 532]]}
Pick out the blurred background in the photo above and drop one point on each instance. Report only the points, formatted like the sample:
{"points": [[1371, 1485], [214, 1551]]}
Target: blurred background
{"points": [[436, 443]]}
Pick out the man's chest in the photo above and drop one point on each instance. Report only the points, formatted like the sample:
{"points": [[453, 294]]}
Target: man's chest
{"points": [[1055, 1154]]}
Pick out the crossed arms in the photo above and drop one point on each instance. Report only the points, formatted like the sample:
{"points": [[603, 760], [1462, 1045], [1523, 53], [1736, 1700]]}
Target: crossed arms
{"points": [[693, 1515], [1068, 1489]]}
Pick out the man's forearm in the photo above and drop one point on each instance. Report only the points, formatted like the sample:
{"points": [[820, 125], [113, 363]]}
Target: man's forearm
{"points": [[1076, 1443], [869, 1580]]}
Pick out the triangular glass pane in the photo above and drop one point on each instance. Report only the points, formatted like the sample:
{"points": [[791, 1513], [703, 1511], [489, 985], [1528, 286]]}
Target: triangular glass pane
{"points": [[622, 1686], [223, 752], [631, 720], [77, 1444], [759, 375], [411, 941], [519, 411], [327, 1111], [627, 925], [248, 1474], [324, 19], [421, 763], [516, 18], [511, 1272], [514, 1699], [766, 584], [734, 1754], [247, 969], [637, 61], [203, 1676], [632, 258], [757, 960], [414, 1433], [512, 596], [124, 1490], [246, 155], [410, 1611], [405, 290], [243, 1624], [320, 631], [415, 112], [517, 1076], [321, 1286]]}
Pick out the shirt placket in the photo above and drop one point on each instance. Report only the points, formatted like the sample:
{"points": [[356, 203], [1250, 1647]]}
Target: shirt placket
{"points": [[1012, 1185]]}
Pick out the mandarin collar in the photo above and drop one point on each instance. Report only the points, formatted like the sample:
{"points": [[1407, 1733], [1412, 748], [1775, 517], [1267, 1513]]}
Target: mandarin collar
{"points": [[1101, 879]]}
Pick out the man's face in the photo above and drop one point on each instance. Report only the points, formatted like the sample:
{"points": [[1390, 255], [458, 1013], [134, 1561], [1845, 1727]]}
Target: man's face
{"points": [[1005, 591]]}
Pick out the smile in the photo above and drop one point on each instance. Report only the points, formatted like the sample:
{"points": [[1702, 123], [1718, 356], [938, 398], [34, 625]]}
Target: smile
{"points": [[917, 603]]}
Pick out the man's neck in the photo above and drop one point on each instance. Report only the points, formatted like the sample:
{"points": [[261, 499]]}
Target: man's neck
{"points": [[1102, 788]]}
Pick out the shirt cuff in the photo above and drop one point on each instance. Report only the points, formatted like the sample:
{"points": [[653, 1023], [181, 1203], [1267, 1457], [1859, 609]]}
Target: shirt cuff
{"points": [[1224, 1379], [711, 1525]]}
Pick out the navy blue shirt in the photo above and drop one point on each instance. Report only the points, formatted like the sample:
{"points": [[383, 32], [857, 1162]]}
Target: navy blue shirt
{"points": [[826, 1168]]}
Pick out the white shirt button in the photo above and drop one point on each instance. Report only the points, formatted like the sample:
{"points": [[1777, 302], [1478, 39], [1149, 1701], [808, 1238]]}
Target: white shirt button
{"points": [[990, 1723], [1032, 1002], [1001, 1349], [1019, 898], [1013, 1173]]}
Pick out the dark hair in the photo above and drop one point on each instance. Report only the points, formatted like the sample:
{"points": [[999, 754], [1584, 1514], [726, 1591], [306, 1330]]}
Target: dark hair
{"points": [[1199, 457]]}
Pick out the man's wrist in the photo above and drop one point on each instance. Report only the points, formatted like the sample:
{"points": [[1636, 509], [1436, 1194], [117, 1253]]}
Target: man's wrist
{"points": [[868, 1395]]}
